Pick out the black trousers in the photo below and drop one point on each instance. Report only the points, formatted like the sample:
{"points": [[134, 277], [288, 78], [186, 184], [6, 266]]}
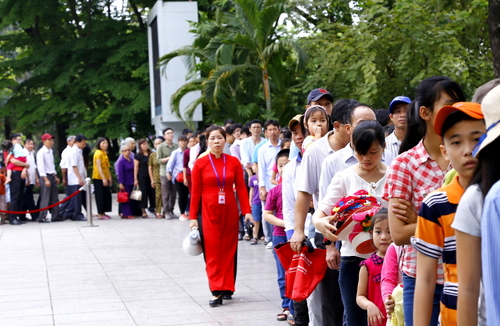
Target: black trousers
{"points": [[102, 197], [16, 193], [29, 203], [183, 192], [148, 192]]}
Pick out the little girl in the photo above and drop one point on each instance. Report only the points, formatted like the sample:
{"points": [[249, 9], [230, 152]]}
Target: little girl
{"points": [[369, 296], [317, 123]]}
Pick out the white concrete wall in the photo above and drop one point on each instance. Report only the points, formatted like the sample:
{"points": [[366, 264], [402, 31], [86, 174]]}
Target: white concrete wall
{"points": [[173, 32]]}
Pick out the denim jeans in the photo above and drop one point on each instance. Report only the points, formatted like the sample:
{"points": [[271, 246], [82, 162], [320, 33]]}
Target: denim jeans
{"points": [[348, 281], [408, 296], [285, 302]]}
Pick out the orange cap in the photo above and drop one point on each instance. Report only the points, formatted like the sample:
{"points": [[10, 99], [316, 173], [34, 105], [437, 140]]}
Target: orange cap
{"points": [[473, 110]]}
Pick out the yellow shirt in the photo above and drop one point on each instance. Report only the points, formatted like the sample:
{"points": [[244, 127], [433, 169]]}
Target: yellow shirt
{"points": [[100, 155]]}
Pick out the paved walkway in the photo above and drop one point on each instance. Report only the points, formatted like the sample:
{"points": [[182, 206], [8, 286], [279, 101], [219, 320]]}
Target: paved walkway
{"points": [[124, 272]]}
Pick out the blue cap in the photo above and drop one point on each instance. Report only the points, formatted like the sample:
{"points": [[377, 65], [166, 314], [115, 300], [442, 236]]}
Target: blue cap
{"points": [[396, 100], [318, 93]]}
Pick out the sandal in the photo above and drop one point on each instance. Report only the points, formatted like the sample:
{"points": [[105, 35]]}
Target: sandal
{"points": [[254, 241], [145, 215], [290, 319], [159, 216], [284, 315], [246, 237]]}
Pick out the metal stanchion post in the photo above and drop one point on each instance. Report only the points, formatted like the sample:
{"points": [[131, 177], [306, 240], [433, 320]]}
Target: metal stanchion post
{"points": [[88, 193]]}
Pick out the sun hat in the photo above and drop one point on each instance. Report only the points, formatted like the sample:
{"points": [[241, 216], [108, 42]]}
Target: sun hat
{"points": [[473, 110], [397, 100], [294, 121], [484, 89], [491, 111], [318, 93]]}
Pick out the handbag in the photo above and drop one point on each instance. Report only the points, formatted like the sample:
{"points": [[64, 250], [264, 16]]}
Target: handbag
{"points": [[304, 271], [122, 196], [136, 194], [180, 177]]}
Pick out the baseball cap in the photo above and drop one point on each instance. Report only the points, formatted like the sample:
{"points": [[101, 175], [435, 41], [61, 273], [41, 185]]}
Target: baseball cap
{"points": [[46, 136], [318, 93], [491, 113], [396, 100], [294, 121], [473, 110]]}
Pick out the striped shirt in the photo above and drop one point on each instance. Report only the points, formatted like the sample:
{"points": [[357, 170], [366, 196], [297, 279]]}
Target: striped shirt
{"points": [[392, 144], [435, 238], [412, 176]]}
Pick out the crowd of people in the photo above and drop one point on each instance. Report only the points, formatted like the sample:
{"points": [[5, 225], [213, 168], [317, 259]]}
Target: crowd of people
{"points": [[417, 174]]}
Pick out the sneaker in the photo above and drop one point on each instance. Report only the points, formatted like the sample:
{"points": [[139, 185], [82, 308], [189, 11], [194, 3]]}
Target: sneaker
{"points": [[172, 215], [183, 217], [269, 245]]}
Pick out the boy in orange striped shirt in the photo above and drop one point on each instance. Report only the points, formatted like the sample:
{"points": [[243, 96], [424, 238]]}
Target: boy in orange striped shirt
{"points": [[460, 126]]}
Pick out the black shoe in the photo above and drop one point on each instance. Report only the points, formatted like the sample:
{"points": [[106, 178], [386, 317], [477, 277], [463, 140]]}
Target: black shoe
{"points": [[44, 221], [15, 221], [227, 296], [58, 219], [22, 222], [215, 302]]}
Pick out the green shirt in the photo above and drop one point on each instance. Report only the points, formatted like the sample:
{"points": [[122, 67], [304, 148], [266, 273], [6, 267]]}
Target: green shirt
{"points": [[162, 152]]}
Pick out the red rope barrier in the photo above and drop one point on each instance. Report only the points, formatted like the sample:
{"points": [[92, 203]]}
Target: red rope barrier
{"points": [[48, 207]]}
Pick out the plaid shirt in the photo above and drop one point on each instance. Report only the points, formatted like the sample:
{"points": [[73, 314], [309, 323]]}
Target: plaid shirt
{"points": [[412, 176]]}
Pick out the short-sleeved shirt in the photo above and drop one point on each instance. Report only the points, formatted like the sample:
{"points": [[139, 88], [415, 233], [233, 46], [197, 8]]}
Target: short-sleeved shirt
{"points": [[412, 176], [274, 203], [143, 171], [254, 183], [392, 144], [100, 155], [164, 150], [435, 238], [308, 179], [468, 220]]}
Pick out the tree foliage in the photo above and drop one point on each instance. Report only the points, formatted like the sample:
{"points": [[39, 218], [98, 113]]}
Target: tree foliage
{"points": [[79, 66], [394, 45]]}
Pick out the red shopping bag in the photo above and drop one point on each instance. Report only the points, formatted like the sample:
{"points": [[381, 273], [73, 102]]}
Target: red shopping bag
{"points": [[304, 271], [122, 196]]}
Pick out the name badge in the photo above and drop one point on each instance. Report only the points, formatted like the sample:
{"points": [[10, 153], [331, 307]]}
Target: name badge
{"points": [[222, 197]]}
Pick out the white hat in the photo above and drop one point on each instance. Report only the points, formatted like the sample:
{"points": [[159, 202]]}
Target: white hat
{"points": [[491, 111]]}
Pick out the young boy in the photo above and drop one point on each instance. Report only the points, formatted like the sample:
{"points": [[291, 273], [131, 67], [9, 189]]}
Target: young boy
{"points": [[460, 126], [256, 205], [273, 214]]}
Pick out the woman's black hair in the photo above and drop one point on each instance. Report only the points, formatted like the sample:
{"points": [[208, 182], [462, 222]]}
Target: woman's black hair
{"points": [[7, 145], [427, 94], [214, 128], [203, 144], [365, 134], [139, 150], [379, 216], [99, 141], [487, 171], [382, 116], [161, 138]]}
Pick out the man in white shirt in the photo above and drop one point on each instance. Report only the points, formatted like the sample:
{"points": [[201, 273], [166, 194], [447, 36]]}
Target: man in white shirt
{"points": [[17, 183], [325, 304], [76, 179], [397, 109], [31, 181], [64, 165], [48, 180], [247, 145]]}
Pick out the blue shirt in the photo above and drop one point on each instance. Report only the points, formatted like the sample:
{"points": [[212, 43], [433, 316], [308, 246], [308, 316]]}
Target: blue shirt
{"points": [[267, 156], [255, 155], [175, 164], [490, 251]]}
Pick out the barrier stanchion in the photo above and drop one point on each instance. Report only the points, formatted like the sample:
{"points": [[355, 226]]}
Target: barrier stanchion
{"points": [[88, 194]]}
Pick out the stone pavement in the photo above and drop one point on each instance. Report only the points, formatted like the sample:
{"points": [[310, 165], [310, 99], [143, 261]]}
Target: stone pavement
{"points": [[124, 272]]}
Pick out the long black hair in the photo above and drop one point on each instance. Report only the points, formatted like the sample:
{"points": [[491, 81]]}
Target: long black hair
{"points": [[487, 171], [428, 92]]}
